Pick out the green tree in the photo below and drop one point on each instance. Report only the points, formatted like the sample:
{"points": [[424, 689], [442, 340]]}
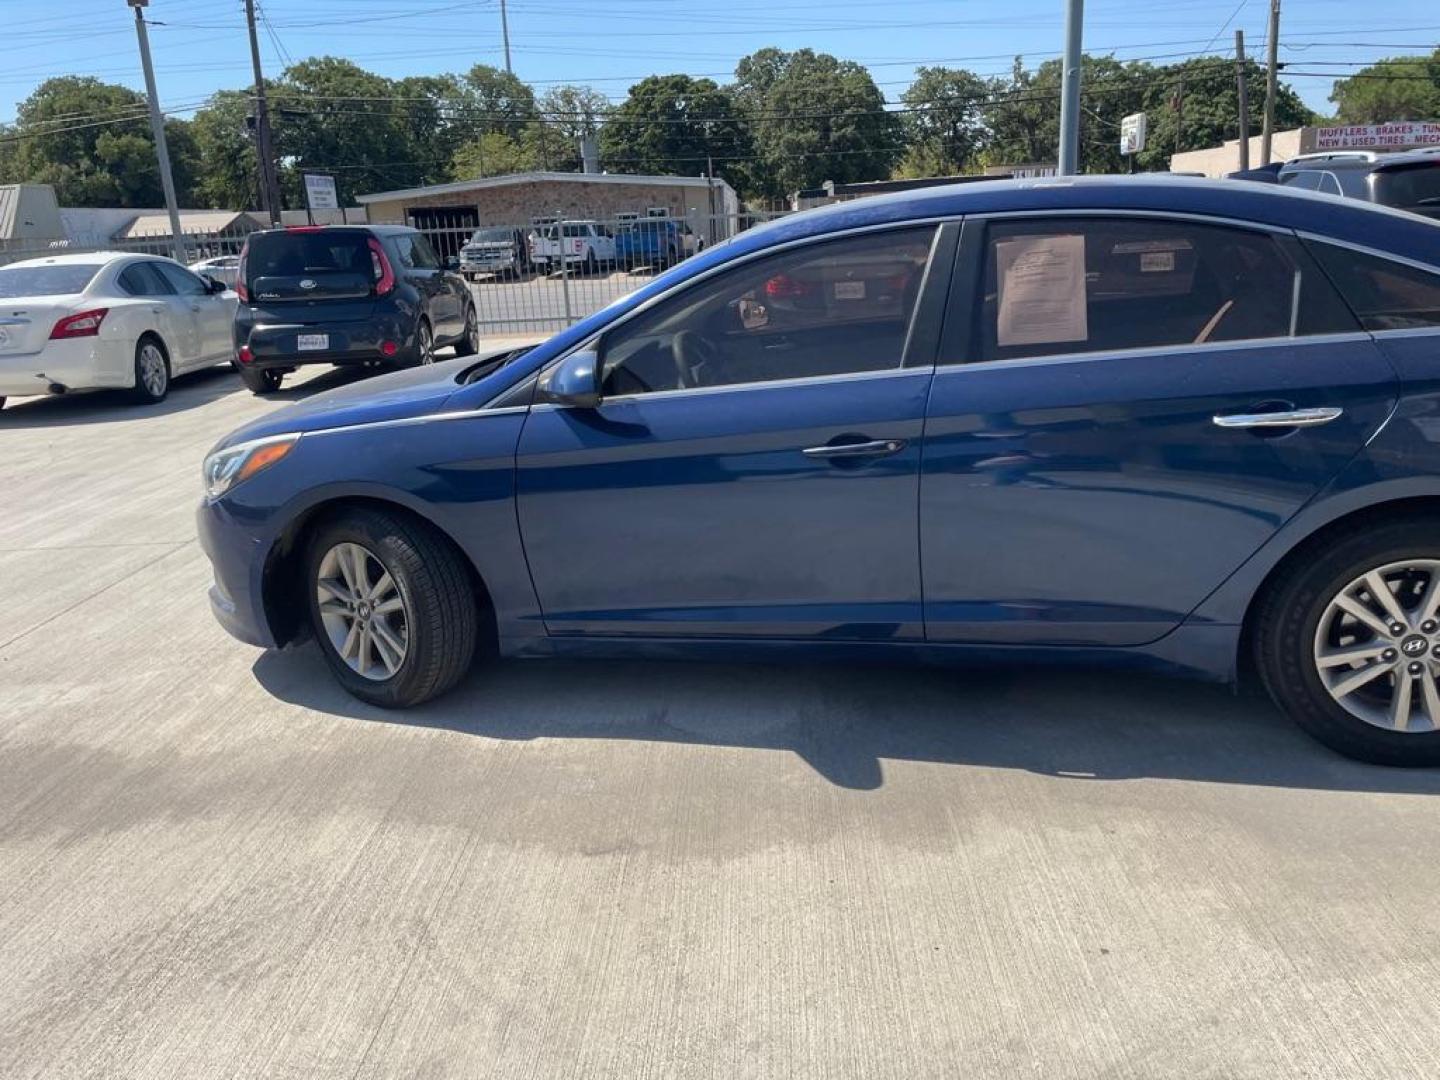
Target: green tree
{"points": [[814, 118], [1195, 104], [945, 125], [496, 100], [227, 169], [91, 141], [331, 115], [1397, 88], [669, 123], [492, 154]]}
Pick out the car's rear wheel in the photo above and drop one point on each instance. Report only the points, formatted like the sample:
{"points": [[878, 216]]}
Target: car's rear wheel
{"points": [[261, 380], [392, 608], [1348, 643], [469, 343], [152, 371], [424, 344]]}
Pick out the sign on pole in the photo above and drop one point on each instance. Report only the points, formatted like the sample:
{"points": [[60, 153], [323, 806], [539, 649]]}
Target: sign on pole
{"points": [[1132, 133], [320, 192]]}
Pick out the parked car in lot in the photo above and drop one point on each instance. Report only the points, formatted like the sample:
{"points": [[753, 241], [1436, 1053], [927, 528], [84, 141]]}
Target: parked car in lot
{"points": [[107, 320], [586, 244], [1167, 424], [345, 294], [220, 267], [657, 242], [1408, 180], [496, 250]]}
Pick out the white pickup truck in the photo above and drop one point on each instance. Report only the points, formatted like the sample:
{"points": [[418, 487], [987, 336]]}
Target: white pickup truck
{"points": [[584, 243]]}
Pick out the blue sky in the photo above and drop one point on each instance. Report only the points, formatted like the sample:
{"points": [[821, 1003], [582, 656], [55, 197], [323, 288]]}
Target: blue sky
{"points": [[200, 45]]}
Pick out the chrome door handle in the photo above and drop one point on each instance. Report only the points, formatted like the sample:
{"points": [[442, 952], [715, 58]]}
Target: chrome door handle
{"points": [[875, 448], [1292, 418]]}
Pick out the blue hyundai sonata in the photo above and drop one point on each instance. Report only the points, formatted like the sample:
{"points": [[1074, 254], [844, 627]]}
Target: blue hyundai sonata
{"points": [[1179, 425]]}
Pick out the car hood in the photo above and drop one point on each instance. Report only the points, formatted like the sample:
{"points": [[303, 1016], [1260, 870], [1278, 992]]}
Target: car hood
{"points": [[399, 395]]}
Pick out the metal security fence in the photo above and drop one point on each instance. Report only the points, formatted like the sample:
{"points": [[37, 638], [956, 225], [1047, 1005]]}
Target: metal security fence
{"points": [[539, 275], [528, 277], [198, 246]]}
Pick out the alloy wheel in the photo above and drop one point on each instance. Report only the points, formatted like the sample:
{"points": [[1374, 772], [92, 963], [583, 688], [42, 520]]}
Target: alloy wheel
{"points": [[472, 331], [363, 613], [1377, 646], [152, 369], [426, 344]]}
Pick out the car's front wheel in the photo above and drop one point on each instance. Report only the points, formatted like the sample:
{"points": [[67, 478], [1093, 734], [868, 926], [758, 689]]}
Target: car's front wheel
{"points": [[424, 344], [1348, 643], [392, 607], [469, 343]]}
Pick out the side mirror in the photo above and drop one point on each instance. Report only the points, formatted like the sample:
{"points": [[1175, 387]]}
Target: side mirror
{"points": [[212, 286], [574, 382]]}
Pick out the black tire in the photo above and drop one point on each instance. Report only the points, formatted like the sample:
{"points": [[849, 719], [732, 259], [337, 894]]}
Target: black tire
{"points": [[468, 343], [424, 343], [2, 403], [152, 382], [1290, 615], [261, 380], [592, 264], [441, 615]]}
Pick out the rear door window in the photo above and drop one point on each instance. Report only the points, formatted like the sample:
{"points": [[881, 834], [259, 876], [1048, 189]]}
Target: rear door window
{"points": [[1386, 295], [1058, 286], [415, 252]]}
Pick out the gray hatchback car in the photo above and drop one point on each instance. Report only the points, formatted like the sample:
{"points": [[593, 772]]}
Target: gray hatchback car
{"points": [[1408, 180]]}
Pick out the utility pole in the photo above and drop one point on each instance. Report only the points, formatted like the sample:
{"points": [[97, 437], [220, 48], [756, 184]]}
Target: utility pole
{"points": [[264, 149], [505, 36], [157, 127], [1244, 100], [1069, 163], [1272, 66]]}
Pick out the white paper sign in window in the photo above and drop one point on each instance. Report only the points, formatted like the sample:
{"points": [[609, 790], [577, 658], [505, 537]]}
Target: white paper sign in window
{"points": [[1042, 290]]}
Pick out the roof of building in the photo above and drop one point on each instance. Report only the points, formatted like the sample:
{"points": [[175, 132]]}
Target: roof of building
{"points": [[534, 178], [28, 211], [192, 222]]}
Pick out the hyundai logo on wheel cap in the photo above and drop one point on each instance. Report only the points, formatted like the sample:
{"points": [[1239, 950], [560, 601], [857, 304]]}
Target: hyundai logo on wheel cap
{"points": [[1413, 646]]}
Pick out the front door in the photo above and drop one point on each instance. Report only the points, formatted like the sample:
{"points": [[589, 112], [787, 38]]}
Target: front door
{"points": [[753, 468], [212, 314], [1139, 404]]}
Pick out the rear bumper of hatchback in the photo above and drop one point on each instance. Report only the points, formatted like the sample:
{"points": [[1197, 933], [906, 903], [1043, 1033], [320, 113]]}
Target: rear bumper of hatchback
{"points": [[278, 345]]}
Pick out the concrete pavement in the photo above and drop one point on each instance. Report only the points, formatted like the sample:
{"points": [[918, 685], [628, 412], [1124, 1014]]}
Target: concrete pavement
{"points": [[214, 864]]}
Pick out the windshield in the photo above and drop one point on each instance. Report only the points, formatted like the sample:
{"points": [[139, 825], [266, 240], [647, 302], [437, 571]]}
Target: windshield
{"points": [[1409, 185], [491, 236], [47, 280]]}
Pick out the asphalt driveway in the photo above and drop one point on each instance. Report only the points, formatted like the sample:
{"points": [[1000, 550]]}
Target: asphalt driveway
{"points": [[213, 863]]}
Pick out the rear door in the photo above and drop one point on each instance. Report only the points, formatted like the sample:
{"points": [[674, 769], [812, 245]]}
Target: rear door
{"points": [[421, 267], [176, 322], [1132, 407]]}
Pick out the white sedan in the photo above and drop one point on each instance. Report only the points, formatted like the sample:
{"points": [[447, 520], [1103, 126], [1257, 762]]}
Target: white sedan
{"points": [[108, 319]]}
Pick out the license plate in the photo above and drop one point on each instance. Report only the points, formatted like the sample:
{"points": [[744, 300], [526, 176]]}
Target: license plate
{"points": [[312, 342]]}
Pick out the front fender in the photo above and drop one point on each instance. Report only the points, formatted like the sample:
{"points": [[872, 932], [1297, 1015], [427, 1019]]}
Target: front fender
{"points": [[456, 472]]}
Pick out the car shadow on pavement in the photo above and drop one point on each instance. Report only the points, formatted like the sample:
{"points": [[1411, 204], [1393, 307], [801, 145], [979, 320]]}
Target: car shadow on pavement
{"points": [[110, 406], [186, 392], [847, 721]]}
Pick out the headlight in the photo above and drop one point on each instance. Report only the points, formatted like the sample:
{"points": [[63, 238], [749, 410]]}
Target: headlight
{"points": [[226, 468]]}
